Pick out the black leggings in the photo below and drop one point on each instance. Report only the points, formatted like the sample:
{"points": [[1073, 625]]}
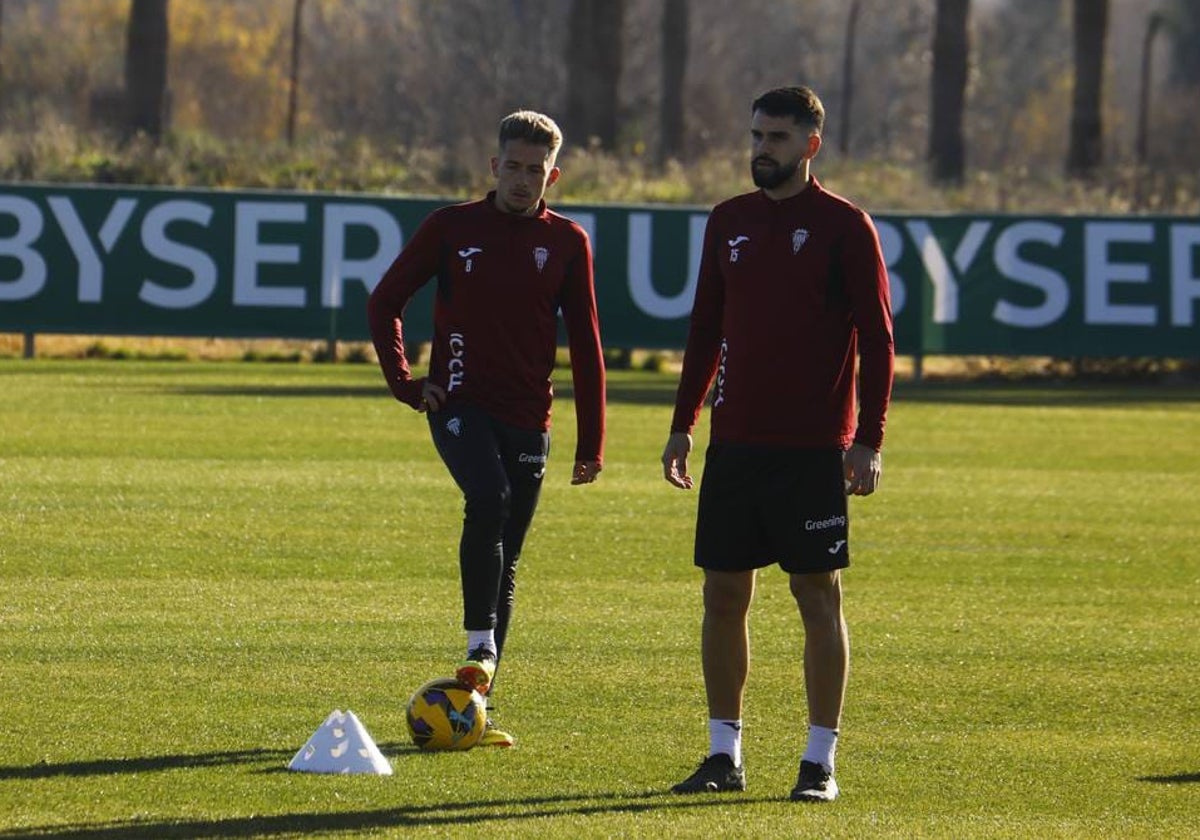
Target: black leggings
{"points": [[499, 470]]}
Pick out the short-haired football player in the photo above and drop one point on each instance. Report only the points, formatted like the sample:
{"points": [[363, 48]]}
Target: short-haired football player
{"points": [[505, 266], [792, 288]]}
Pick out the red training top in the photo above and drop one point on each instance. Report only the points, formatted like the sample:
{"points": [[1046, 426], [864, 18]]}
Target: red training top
{"points": [[502, 279], [788, 292]]}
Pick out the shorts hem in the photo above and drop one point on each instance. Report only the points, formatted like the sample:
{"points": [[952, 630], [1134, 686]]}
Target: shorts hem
{"points": [[753, 565]]}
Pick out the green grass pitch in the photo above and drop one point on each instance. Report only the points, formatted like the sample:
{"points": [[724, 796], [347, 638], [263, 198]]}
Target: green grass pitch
{"points": [[199, 561]]}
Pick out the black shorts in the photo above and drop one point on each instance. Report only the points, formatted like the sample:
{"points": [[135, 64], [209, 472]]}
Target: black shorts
{"points": [[763, 505]]}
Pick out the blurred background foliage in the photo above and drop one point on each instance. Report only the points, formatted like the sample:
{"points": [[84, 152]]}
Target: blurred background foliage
{"points": [[403, 96]]}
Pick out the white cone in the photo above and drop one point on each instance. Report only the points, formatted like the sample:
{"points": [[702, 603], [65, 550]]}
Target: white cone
{"points": [[341, 745]]}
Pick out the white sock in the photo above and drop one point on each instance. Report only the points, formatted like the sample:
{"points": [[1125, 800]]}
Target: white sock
{"points": [[481, 638], [822, 744], [725, 736]]}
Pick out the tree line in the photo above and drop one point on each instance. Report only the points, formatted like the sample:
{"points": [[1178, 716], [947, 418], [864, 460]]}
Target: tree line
{"points": [[950, 84]]}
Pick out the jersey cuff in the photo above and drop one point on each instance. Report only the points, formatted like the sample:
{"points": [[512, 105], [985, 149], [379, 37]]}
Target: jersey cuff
{"points": [[408, 392], [870, 444]]}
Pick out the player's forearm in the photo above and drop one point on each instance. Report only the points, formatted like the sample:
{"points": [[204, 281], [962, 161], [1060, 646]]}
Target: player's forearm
{"points": [[878, 359], [385, 324], [699, 368], [588, 379]]}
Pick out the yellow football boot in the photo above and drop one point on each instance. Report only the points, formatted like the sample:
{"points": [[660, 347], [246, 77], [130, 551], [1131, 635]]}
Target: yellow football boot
{"points": [[477, 670], [494, 737]]}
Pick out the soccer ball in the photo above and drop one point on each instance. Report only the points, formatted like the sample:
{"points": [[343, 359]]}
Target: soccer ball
{"points": [[444, 714]]}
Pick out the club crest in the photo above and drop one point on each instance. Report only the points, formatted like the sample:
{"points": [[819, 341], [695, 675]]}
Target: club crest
{"points": [[799, 237], [540, 255]]}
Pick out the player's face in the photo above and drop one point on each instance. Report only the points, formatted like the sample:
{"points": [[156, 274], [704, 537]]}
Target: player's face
{"points": [[778, 146], [523, 172]]}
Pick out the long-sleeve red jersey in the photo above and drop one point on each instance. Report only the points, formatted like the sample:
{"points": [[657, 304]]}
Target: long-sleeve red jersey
{"points": [[789, 291], [502, 278]]}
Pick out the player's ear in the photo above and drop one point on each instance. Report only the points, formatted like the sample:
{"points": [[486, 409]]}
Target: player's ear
{"points": [[814, 145], [552, 177], [495, 167]]}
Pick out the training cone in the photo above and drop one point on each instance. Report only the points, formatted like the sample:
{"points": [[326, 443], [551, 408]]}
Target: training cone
{"points": [[341, 745]]}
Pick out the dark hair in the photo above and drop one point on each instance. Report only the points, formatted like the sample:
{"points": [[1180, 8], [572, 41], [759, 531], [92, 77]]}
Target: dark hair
{"points": [[531, 127], [800, 103]]}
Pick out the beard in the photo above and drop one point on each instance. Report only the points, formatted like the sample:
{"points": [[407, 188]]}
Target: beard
{"points": [[772, 174]]}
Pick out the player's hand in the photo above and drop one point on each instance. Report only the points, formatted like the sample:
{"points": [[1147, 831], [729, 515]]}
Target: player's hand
{"points": [[585, 472], [862, 466], [433, 397], [674, 460]]}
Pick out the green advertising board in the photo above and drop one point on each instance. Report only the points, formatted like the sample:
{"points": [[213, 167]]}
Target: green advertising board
{"points": [[126, 261]]}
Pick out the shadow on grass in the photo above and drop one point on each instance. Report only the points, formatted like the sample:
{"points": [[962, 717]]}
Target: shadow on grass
{"points": [[1073, 395], [660, 390], [637, 394], [449, 814], [145, 764], [277, 759], [1177, 779], [281, 391], [1047, 394]]}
